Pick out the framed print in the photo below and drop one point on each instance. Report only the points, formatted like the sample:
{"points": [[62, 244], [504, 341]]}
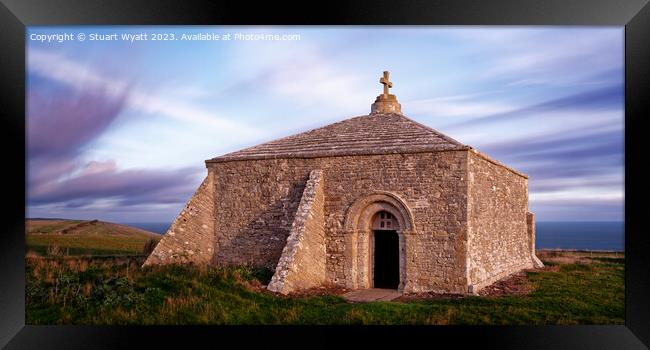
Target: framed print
{"points": [[445, 170]]}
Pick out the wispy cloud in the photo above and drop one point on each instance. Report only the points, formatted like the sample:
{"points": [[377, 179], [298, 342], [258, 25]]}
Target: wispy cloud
{"points": [[607, 98], [60, 123], [458, 106], [98, 182], [82, 76]]}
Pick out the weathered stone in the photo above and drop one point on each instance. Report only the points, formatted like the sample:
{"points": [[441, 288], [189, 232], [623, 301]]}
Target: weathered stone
{"points": [[306, 206], [530, 221], [386, 103], [185, 233], [303, 260]]}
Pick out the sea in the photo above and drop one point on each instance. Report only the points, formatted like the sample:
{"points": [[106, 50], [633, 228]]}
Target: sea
{"points": [[580, 235], [587, 235]]}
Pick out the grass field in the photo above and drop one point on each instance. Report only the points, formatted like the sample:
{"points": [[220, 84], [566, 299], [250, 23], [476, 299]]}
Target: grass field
{"points": [[77, 237], [575, 288]]}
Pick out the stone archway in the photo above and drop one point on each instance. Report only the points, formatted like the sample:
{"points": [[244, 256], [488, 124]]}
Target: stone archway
{"points": [[358, 237]]}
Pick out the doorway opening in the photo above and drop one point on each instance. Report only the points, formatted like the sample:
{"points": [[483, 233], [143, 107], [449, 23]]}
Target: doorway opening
{"points": [[386, 251], [386, 259]]}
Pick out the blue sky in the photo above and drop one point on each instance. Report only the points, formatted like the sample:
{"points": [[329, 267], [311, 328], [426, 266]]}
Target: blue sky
{"points": [[119, 130]]}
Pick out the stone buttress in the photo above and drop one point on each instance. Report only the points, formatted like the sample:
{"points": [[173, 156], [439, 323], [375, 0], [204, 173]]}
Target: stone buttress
{"points": [[191, 237], [303, 260]]}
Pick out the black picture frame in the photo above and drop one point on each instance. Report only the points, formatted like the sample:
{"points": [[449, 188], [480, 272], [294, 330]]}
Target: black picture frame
{"points": [[15, 15]]}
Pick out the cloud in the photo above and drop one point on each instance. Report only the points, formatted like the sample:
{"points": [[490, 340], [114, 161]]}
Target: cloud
{"points": [[457, 106], [547, 56], [589, 210], [99, 182], [73, 74], [312, 82], [60, 122], [607, 180], [607, 98], [562, 146], [94, 167], [81, 76], [571, 160]]}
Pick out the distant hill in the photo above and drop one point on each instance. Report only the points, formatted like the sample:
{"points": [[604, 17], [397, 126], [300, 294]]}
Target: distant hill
{"points": [[84, 237]]}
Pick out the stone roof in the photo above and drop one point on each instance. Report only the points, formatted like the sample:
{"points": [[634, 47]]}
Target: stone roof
{"points": [[376, 133]]}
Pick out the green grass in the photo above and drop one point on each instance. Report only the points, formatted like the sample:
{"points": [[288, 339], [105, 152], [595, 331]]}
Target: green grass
{"points": [[74, 251], [77, 237], [118, 291], [82, 244], [57, 227]]}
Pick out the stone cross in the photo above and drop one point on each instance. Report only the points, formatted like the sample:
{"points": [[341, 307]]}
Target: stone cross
{"points": [[387, 84], [386, 103]]}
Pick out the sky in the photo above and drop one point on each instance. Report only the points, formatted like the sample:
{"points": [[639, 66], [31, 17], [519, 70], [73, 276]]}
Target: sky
{"points": [[119, 130]]}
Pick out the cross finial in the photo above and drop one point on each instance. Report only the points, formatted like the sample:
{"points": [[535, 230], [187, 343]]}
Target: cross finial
{"points": [[386, 103], [387, 83]]}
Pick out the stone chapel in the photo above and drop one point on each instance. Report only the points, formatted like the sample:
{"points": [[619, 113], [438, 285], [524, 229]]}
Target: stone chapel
{"points": [[374, 201]]}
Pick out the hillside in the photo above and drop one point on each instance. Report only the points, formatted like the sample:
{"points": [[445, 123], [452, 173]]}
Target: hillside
{"points": [[84, 237]]}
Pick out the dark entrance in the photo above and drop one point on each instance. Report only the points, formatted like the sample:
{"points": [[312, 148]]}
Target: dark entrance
{"points": [[386, 259]]}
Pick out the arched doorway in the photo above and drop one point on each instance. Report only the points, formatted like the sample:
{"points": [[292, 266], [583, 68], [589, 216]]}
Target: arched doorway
{"points": [[385, 250], [361, 239]]}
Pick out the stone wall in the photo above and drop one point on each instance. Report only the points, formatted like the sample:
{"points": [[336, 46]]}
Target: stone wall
{"points": [[191, 237], [258, 199], [303, 260], [498, 237]]}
